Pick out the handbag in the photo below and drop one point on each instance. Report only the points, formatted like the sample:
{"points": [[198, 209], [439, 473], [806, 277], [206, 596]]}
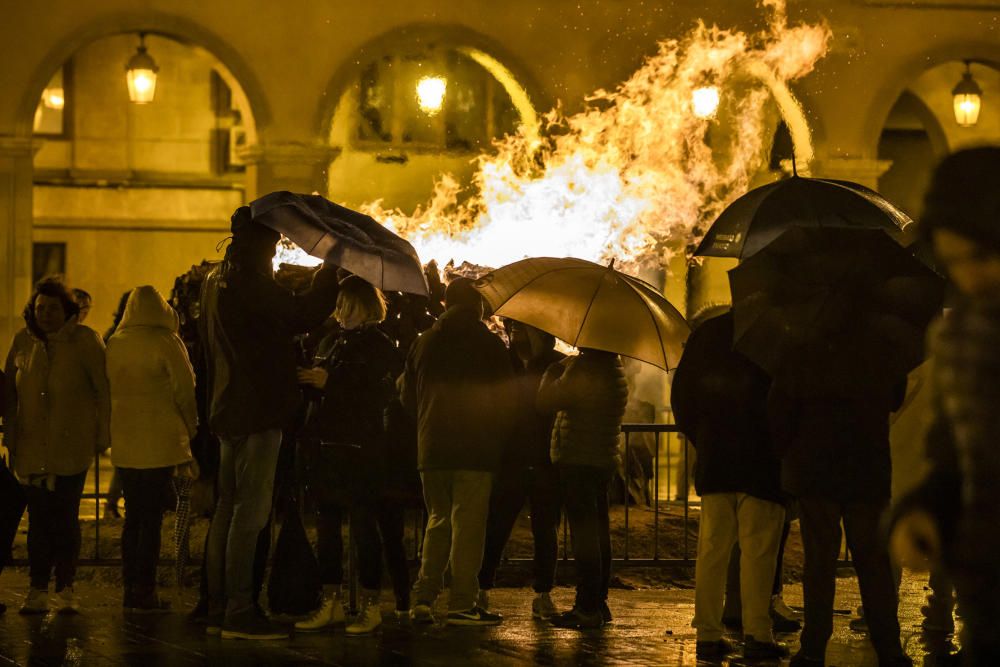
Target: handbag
{"points": [[295, 585]]}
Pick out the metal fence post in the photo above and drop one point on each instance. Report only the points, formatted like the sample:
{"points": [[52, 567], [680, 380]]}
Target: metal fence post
{"points": [[628, 474], [656, 498], [97, 506], [687, 497]]}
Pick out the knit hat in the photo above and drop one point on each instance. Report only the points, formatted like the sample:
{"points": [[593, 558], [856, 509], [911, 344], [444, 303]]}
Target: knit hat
{"points": [[964, 197]]}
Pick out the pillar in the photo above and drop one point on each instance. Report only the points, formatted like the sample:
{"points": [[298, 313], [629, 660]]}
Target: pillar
{"points": [[16, 177], [287, 165]]}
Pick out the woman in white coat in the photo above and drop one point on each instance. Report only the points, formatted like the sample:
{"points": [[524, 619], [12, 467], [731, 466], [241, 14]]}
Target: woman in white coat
{"points": [[153, 418]]}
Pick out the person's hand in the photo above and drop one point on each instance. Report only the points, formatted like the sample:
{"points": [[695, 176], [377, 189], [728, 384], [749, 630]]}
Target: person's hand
{"points": [[915, 540], [313, 377]]}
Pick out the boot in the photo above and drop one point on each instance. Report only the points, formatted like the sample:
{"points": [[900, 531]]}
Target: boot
{"points": [[369, 617], [37, 602], [329, 613]]}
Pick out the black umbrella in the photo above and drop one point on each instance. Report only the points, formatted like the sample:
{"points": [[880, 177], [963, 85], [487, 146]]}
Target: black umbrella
{"points": [[834, 310], [760, 216], [347, 238]]}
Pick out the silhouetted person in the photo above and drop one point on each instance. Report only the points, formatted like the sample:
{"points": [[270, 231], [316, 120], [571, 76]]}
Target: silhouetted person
{"points": [[588, 394], [952, 518], [458, 385], [249, 322]]}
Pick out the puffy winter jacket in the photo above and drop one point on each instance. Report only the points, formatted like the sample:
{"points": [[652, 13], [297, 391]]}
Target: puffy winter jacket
{"points": [[588, 393], [153, 410]]}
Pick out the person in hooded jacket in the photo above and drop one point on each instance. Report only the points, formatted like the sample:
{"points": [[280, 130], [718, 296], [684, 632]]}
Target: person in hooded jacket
{"points": [[356, 378], [248, 324], [153, 418], [57, 418]]}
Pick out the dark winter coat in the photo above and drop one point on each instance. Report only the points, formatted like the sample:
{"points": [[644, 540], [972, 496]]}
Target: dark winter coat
{"points": [[529, 447], [459, 385], [719, 399], [588, 393], [833, 447], [248, 322], [362, 365]]}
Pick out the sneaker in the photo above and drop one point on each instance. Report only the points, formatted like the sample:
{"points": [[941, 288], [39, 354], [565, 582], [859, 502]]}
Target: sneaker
{"points": [[330, 613], [37, 602], [779, 607], [718, 648], [368, 619], [802, 660], [542, 607], [577, 619], [483, 600], [66, 602], [755, 650], [421, 613], [475, 616], [251, 625], [149, 604]]}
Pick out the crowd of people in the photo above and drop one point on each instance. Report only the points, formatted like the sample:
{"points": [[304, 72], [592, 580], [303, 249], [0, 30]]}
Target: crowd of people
{"points": [[476, 428]]}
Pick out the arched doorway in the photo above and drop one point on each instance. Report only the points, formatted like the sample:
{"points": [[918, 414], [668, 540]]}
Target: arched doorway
{"points": [[921, 129], [126, 194]]}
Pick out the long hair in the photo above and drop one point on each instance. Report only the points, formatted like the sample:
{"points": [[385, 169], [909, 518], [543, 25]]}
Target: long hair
{"points": [[51, 287], [357, 295]]}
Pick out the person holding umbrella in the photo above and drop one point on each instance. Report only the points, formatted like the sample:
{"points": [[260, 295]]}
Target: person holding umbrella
{"points": [[248, 323], [950, 520], [719, 398]]}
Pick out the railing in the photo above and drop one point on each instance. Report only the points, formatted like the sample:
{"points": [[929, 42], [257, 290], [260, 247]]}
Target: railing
{"points": [[665, 452]]}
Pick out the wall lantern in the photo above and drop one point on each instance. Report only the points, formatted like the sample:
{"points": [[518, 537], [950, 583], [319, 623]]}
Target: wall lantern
{"points": [[705, 101], [430, 94], [968, 99], [140, 74]]}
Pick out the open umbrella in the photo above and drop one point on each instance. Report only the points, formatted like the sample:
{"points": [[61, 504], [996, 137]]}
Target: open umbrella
{"points": [[760, 216], [349, 239], [834, 311], [589, 305]]}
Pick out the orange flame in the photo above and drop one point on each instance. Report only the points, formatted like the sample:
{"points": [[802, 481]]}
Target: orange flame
{"points": [[631, 176]]}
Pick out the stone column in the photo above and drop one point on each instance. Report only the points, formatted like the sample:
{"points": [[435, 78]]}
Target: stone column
{"points": [[865, 171], [287, 165], [16, 177]]}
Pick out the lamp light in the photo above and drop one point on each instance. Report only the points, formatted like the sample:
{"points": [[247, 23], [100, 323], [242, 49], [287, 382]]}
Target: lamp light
{"points": [[968, 99], [140, 74]]}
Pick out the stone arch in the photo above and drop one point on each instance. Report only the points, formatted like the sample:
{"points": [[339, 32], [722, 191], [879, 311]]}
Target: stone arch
{"points": [[479, 47], [900, 77], [174, 27]]}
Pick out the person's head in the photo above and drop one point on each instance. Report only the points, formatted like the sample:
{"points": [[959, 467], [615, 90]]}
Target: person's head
{"points": [[254, 245], [528, 342], [961, 219], [359, 303], [51, 305], [461, 293], [84, 301]]}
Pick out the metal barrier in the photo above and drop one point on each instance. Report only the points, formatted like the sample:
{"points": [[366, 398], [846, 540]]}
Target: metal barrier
{"points": [[663, 434]]}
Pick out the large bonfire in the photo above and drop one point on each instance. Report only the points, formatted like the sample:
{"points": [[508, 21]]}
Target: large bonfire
{"points": [[632, 176]]}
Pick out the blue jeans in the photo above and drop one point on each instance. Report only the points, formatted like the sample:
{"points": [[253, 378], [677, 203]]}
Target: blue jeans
{"points": [[246, 485]]}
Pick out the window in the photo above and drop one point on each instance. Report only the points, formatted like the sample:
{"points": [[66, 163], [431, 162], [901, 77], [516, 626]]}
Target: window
{"points": [[47, 259], [52, 111], [436, 99]]}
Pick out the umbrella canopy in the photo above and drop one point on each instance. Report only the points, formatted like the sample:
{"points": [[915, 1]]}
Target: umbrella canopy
{"points": [[346, 238], [834, 310], [760, 216], [589, 305]]}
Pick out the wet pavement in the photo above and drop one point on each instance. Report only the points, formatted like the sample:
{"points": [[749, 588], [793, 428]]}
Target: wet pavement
{"points": [[651, 627]]}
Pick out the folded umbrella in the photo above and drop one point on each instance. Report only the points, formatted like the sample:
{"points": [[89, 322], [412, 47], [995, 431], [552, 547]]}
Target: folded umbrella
{"points": [[589, 305], [346, 238], [834, 311], [760, 216]]}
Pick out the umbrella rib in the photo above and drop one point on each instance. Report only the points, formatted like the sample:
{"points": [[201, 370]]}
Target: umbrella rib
{"points": [[659, 337], [583, 320]]}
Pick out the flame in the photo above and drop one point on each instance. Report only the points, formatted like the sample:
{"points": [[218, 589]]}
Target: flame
{"points": [[632, 176], [287, 252]]}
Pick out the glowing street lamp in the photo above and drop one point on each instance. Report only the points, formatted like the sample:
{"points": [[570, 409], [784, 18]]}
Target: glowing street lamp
{"points": [[430, 94], [54, 98], [140, 74], [968, 99], [705, 101]]}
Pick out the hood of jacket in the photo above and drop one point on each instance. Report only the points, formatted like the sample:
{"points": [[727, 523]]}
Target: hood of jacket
{"points": [[147, 308]]}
